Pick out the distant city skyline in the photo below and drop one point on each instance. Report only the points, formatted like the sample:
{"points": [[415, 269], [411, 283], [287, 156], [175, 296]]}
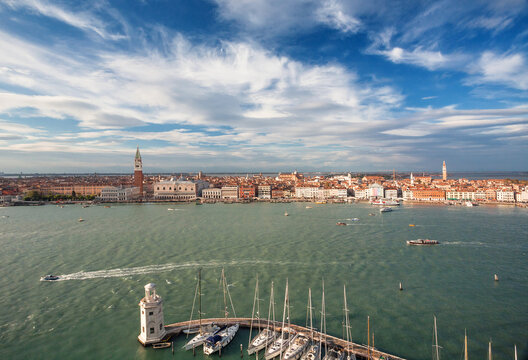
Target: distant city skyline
{"points": [[263, 85]]}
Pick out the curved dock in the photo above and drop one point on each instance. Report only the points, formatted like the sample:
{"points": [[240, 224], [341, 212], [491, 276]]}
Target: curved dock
{"points": [[361, 351]]}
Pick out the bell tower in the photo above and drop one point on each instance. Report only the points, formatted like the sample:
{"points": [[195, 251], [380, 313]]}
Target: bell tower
{"points": [[151, 316], [444, 171], [138, 172]]}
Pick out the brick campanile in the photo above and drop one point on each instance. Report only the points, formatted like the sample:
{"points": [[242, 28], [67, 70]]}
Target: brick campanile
{"points": [[138, 172]]}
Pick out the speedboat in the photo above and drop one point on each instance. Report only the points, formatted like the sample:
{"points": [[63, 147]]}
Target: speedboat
{"points": [[422, 242], [385, 209], [220, 340], [49, 278], [81, 219], [286, 213], [296, 348], [341, 223], [262, 340]]}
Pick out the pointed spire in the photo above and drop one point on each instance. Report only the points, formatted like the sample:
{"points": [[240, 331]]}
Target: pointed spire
{"points": [[138, 155]]}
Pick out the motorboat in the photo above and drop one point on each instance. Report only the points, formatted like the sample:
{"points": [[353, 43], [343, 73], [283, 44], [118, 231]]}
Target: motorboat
{"points": [[161, 345], [422, 242], [220, 340], [49, 278], [81, 219], [385, 209], [286, 213], [383, 202], [412, 225], [296, 348], [354, 219], [341, 223]]}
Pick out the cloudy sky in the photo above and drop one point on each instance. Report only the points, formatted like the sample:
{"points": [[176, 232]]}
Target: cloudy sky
{"points": [[271, 85]]}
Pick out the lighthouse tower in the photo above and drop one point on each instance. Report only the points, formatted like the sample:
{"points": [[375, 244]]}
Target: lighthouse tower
{"points": [[151, 315], [138, 172]]}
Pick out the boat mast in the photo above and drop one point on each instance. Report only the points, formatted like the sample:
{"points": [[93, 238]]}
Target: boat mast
{"points": [[368, 337], [284, 317], [310, 309], [255, 297], [465, 346], [515, 347], [323, 322], [347, 323], [436, 339], [271, 312], [490, 357], [200, 298]]}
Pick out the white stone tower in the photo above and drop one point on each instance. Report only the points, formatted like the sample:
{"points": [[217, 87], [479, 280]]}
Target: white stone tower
{"points": [[151, 315]]}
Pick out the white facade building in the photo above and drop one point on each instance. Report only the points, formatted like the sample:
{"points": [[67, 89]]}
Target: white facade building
{"points": [[115, 193], [151, 317], [264, 192], [408, 194], [506, 196], [522, 196], [391, 193], [306, 192], [178, 189], [375, 191], [230, 192], [361, 193], [212, 193], [460, 195]]}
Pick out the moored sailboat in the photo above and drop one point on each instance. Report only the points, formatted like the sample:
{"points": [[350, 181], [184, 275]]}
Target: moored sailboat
{"points": [[349, 351], [203, 332], [314, 348], [287, 334], [224, 336], [267, 335]]}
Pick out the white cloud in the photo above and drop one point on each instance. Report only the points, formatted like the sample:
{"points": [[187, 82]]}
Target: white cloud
{"points": [[333, 14], [507, 69]]}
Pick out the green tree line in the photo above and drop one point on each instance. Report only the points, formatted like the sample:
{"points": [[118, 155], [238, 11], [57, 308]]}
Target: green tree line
{"points": [[37, 196]]}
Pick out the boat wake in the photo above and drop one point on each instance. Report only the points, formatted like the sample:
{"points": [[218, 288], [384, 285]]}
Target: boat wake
{"points": [[141, 270], [465, 243]]}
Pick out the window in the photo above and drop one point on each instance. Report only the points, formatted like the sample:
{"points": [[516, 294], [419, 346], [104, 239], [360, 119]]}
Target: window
{"points": [[142, 311], [151, 312], [160, 327], [152, 330], [143, 329]]}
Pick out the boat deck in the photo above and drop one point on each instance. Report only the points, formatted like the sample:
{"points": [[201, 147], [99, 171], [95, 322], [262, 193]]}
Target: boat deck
{"points": [[361, 351]]}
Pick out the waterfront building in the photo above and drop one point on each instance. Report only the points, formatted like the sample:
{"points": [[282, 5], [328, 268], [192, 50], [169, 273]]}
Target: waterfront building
{"points": [[522, 196], [361, 193], [460, 194], [138, 172], [119, 193], [179, 190], [429, 194], [247, 191], [506, 195], [151, 317], [306, 192], [444, 171], [375, 191], [392, 193], [212, 193], [407, 194], [264, 192], [73, 190], [277, 194], [230, 192]]}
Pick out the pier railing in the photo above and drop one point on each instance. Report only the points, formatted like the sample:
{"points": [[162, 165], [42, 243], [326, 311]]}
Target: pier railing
{"points": [[361, 351]]}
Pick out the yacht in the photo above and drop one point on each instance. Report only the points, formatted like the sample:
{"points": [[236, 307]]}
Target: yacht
{"points": [[312, 352], [341, 223], [385, 209], [49, 278], [422, 242], [260, 341], [296, 348], [267, 335], [220, 340], [280, 345], [334, 354]]}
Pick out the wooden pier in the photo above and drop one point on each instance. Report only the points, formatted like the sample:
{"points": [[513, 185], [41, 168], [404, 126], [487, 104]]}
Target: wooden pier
{"points": [[361, 351]]}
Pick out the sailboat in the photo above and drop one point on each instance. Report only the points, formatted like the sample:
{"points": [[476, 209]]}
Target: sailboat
{"points": [[349, 352], [267, 335], [314, 350], [287, 334], [436, 350], [299, 345], [332, 353], [203, 332], [224, 336]]}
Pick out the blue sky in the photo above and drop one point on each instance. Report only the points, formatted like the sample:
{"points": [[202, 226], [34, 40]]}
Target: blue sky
{"points": [[251, 85]]}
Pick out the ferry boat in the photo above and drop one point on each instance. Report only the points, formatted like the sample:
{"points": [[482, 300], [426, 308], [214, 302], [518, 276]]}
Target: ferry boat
{"points": [[220, 340], [385, 209], [385, 202], [49, 278], [422, 242]]}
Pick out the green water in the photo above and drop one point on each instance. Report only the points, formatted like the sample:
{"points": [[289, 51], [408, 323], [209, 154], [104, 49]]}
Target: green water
{"points": [[108, 258]]}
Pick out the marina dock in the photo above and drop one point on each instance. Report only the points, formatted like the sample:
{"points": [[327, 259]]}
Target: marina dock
{"points": [[361, 351]]}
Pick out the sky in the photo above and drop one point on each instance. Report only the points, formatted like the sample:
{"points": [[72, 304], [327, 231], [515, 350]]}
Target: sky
{"points": [[263, 85]]}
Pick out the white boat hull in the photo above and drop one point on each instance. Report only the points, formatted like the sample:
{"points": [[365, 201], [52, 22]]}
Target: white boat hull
{"points": [[227, 335]]}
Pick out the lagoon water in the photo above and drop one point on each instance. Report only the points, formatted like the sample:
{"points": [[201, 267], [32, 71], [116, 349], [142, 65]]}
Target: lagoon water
{"points": [[106, 260]]}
